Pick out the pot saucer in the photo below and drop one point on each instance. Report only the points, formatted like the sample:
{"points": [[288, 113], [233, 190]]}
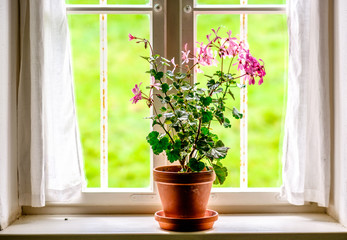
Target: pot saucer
{"points": [[186, 224]]}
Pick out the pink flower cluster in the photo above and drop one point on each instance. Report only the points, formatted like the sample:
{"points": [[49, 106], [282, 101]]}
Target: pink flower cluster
{"points": [[227, 47], [206, 55], [137, 92], [251, 66]]}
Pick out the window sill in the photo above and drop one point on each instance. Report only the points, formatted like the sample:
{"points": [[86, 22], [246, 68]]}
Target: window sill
{"points": [[235, 226]]}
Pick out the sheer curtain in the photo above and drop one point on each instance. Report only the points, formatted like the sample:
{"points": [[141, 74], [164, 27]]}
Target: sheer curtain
{"points": [[306, 145], [49, 157]]}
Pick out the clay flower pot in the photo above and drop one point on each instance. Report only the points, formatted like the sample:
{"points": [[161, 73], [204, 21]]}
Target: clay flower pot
{"points": [[184, 195]]}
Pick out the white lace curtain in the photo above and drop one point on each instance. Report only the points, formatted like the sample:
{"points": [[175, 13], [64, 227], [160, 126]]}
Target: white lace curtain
{"points": [[50, 166], [306, 150]]}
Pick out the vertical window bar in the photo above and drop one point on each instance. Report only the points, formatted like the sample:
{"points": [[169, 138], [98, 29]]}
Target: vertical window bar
{"points": [[103, 102], [243, 104]]}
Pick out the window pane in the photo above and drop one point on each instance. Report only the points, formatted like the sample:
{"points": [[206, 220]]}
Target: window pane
{"points": [[128, 150], [82, 1], [267, 41], [86, 71], [230, 136], [130, 2]]}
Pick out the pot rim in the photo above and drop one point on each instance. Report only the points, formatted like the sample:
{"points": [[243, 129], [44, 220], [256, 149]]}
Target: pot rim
{"points": [[161, 174]]}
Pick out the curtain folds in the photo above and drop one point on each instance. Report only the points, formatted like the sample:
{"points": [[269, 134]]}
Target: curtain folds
{"points": [[50, 164], [306, 145]]}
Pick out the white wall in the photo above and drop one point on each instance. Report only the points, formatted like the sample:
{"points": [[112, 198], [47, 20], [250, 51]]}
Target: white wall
{"points": [[338, 207], [9, 208]]}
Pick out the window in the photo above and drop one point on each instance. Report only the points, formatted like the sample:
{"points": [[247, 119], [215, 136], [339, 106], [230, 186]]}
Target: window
{"points": [[106, 66]]}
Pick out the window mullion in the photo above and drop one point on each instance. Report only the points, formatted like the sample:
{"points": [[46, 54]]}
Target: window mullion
{"points": [[188, 26], [158, 39], [103, 102], [244, 110]]}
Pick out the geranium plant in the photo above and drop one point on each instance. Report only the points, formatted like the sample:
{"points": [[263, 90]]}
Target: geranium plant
{"points": [[188, 110]]}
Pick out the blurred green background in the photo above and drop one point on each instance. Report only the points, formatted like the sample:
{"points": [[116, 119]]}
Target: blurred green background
{"points": [[128, 151]]}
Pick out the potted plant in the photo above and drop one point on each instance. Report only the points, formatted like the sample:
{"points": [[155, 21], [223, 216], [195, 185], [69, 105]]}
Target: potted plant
{"points": [[185, 119]]}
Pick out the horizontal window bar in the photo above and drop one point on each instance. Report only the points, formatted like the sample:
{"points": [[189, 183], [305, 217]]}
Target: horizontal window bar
{"points": [[118, 190], [236, 9], [97, 9]]}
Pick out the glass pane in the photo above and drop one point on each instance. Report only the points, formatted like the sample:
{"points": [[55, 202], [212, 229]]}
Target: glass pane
{"points": [[86, 71], [230, 136], [128, 150], [267, 41], [129, 2], [82, 1]]}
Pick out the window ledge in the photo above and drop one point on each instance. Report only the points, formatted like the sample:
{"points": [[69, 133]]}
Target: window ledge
{"points": [[235, 226]]}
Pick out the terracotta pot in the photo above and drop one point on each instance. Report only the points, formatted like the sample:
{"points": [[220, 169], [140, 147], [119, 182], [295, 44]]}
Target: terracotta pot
{"points": [[183, 195]]}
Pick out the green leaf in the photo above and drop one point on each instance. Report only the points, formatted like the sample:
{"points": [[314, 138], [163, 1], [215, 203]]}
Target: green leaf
{"points": [[170, 74], [152, 72], [155, 122], [146, 58], [205, 131], [152, 137], [206, 116], [219, 90], [157, 145], [164, 63], [236, 113], [177, 145], [173, 155], [211, 84], [166, 60], [159, 75], [165, 87], [231, 94], [182, 115], [219, 143], [169, 115], [206, 100], [163, 109], [226, 123], [196, 165], [176, 85], [217, 152], [221, 174]]}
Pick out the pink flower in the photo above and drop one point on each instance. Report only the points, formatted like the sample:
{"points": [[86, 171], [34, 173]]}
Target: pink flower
{"points": [[174, 64], [131, 37], [185, 54], [216, 33], [137, 92], [205, 55], [154, 84]]}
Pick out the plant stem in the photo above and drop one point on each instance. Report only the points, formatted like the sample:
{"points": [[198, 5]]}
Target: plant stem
{"points": [[150, 46], [196, 139], [162, 125], [230, 64]]}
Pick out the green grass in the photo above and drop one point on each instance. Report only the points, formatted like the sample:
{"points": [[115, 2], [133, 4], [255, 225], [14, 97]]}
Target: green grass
{"points": [[129, 153]]}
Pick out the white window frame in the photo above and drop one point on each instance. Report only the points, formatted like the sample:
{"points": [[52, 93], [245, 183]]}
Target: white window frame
{"points": [[163, 14]]}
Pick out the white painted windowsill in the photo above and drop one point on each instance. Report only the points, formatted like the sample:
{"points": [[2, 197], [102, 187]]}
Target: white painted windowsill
{"points": [[229, 226]]}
